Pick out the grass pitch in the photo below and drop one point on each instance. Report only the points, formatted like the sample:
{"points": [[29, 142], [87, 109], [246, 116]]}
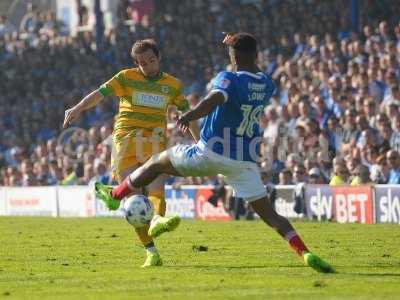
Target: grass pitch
{"points": [[44, 258]]}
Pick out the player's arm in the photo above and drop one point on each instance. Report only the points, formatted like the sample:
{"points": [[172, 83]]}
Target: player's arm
{"points": [[194, 130], [182, 104], [113, 87], [193, 125], [86, 103], [207, 105]]}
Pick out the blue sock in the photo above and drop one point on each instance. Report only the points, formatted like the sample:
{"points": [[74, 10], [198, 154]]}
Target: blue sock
{"points": [[151, 247]]}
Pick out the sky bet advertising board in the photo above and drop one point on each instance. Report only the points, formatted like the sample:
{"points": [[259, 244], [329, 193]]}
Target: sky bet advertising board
{"points": [[342, 204], [387, 204]]}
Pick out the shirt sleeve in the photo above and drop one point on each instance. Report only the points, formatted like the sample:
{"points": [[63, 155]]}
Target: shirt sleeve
{"points": [[114, 86], [180, 101], [223, 83]]}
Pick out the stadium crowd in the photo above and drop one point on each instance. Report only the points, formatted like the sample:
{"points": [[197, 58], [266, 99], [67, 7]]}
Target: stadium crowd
{"points": [[335, 117]]}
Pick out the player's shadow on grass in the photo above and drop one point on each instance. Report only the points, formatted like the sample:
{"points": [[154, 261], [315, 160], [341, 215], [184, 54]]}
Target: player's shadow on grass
{"points": [[374, 274], [235, 267], [371, 274], [205, 267]]}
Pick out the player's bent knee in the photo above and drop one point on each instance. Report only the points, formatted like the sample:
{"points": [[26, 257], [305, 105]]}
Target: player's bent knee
{"points": [[161, 164]]}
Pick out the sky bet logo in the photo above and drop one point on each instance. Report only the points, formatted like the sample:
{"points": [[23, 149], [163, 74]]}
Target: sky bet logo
{"points": [[352, 208], [343, 204], [387, 204], [319, 204]]}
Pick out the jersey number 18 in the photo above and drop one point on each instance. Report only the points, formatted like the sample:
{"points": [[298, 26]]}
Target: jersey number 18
{"points": [[250, 117]]}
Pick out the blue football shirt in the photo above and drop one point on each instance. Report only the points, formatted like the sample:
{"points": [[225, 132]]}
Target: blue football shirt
{"points": [[232, 129]]}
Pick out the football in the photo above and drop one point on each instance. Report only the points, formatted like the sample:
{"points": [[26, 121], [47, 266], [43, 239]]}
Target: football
{"points": [[138, 210]]}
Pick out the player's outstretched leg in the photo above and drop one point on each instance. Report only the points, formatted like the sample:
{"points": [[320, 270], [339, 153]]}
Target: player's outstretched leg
{"points": [[153, 258], [158, 225], [264, 208], [143, 176], [103, 192]]}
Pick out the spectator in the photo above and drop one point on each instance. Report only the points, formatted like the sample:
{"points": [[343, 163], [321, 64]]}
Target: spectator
{"points": [[101, 174], [139, 10], [392, 96], [29, 22], [350, 132], [361, 176], [5, 27], [299, 174], [285, 177], [30, 180], [271, 131], [340, 175], [380, 170], [322, 112], [370, 111], [292, 160], [88, 174], [43, 174], [392, 157], [392, 110], [14, 176], [70, 176], [55, 173], [315, 176]]}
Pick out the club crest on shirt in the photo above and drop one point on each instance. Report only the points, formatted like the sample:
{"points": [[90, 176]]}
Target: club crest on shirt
{"points": [[164, 89], [224, 83]]}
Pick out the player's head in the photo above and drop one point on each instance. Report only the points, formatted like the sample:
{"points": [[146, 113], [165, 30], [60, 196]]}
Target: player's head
{"points": [[146, 55], [242, 48]]}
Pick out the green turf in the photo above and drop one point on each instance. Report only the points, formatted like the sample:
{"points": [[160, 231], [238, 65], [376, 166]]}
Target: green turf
{"points": [[44, 258]]}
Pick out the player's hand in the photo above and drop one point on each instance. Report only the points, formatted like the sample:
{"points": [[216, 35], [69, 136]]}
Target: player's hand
{"points": [[70, 115], [227, 38], [183, 124]]}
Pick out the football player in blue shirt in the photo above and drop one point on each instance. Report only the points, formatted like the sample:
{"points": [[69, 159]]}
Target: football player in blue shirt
{"points": [[229, 145]]}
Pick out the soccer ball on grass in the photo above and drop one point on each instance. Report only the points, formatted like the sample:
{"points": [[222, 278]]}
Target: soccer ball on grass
{"points": [[138, 210]]}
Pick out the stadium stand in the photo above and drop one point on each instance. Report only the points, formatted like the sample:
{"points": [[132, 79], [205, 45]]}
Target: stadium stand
{"points": [[335, 117]]}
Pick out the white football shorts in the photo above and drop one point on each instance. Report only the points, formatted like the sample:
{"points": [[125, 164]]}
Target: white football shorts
{"points": [[197, 160]]}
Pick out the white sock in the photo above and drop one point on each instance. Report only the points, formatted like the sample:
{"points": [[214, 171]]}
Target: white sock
{"points": [[155, 218]]}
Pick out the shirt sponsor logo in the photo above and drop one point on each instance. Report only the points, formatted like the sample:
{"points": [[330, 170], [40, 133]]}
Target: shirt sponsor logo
{"points": [[149, 100], [257, 87]]}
